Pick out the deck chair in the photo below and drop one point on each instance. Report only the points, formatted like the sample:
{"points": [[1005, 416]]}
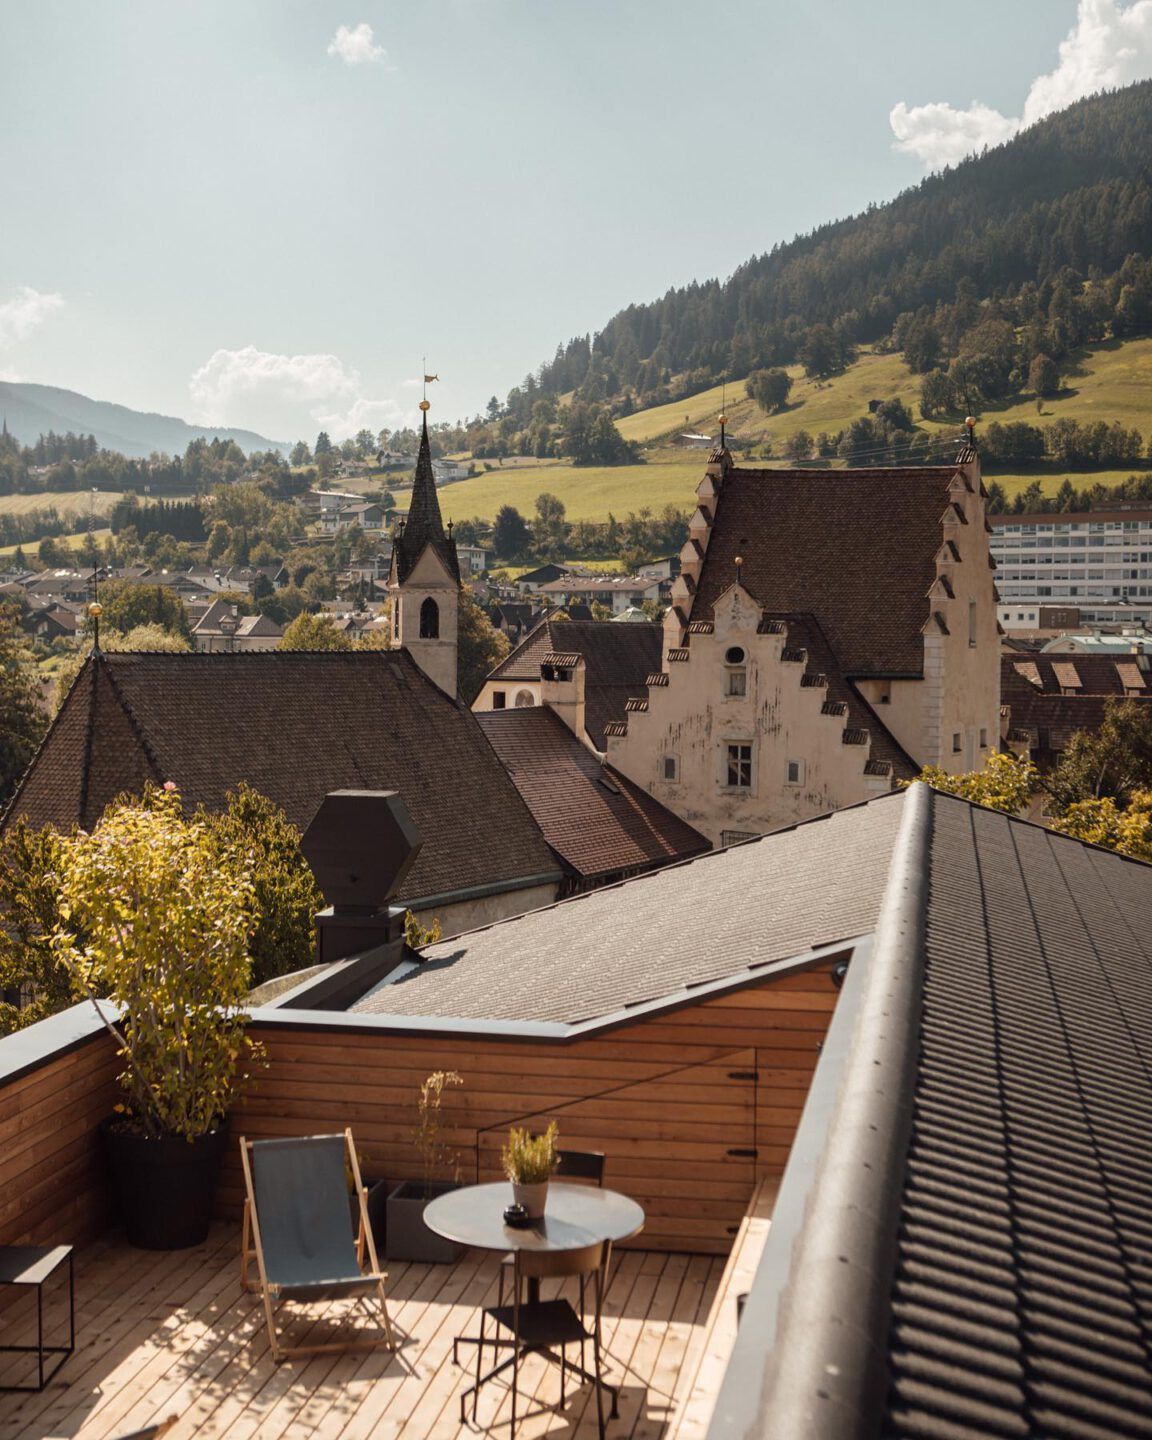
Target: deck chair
{"points": [[298, 1227]]}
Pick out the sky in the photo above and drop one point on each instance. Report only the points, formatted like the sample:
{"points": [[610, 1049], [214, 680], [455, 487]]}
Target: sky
{"points": [[266, 212]]}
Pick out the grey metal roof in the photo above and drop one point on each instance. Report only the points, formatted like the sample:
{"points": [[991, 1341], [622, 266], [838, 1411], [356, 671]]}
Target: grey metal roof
{"points": [[766, 900], [962, 1245]]}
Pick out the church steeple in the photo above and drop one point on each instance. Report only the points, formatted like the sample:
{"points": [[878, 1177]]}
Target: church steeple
{"points": [[424, 525]]}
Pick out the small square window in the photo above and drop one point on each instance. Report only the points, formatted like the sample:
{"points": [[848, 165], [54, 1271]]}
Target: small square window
{"points": [[795, 772], [737, 682], [739, 767], [499, 700], [671, 768], [957, 742]]}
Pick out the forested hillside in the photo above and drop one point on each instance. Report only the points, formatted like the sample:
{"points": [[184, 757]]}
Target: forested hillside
{"points": [[987, 278]]}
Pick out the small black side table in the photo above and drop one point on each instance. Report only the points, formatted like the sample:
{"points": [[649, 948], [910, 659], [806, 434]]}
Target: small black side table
{"points": [[32, 1265]]}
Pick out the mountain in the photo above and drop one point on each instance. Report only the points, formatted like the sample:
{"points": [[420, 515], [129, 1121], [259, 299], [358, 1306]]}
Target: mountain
{"points": [[34, 410], [1054, 228]]}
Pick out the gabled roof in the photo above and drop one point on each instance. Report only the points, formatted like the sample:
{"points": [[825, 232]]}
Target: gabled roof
{"points": [[423, 525], [662, 933], [596, 821], [295, 725], [854, 548], [961, 1242], [617, 658], [1061, 692]]}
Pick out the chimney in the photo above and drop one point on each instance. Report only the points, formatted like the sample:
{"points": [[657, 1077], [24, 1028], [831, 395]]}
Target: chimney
{"points": [[361, 844]]}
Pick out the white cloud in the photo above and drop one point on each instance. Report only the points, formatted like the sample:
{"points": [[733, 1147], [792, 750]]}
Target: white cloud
{"points": [[284, 395], [26, 312], [1109, 45], [356, 45]]}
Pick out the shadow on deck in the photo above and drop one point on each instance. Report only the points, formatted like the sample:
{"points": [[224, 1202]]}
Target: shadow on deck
{"points": [[162, 1334]]}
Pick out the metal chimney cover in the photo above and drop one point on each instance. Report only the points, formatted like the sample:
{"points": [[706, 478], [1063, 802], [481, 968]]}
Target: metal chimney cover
{"points": [[361, 845]]}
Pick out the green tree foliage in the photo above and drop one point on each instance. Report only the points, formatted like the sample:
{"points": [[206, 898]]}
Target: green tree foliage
{"points": [[480, 648], [550, 530], [313, 632], [511, 533], [22, 719], [285, 896], [591, 437], [1043, 375], [126, 605], [769, 388], [155, 918], [1006, 783], [33, 984], [1113, 761], [301, 455]]}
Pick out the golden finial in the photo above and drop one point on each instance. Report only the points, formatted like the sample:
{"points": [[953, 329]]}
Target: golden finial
{"points": [[425, 405], [971, 422], [95, 610], [723, 419]]}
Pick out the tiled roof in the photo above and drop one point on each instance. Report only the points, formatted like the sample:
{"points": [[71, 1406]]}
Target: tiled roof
{"points": [[1022, 1300], [598, 822], [710, 918], [1034, 686], [855, 548], [965, 1223], [294, 725], [617, 662]]}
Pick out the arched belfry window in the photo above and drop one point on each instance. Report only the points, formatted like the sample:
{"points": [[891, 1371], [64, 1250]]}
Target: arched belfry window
{"points": [[429, 620]]}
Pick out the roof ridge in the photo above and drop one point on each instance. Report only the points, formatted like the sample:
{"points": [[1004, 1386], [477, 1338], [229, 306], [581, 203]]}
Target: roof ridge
{"points": [[846, 1177], [137, 729]]}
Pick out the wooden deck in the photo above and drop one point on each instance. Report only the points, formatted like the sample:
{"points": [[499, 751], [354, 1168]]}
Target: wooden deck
{"points": [[174, 1334]]}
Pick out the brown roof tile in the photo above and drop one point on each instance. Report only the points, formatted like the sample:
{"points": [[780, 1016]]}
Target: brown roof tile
{"points": [[1033, 686], [855, 548], [618, 658], [294, 725], [598, 822]]}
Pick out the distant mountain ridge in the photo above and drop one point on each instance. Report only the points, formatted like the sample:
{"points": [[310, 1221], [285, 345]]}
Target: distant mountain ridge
{"points": [[34, 410]]}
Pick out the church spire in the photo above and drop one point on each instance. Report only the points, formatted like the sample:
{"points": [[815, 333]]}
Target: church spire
{"points": [[424, 525], [424, 520]]}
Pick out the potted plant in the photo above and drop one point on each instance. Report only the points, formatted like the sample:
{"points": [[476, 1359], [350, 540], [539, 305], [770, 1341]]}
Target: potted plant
{"points": [[529, 1162], [155, 922], [408, 1238]]}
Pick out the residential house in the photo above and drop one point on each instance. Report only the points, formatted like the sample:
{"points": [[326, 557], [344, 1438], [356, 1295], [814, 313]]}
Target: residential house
{"points": [[473, 559], [615, 592], [368, 514], [533, 580], [223, 629], [587, 671], [831, 632], [1047, 696]]}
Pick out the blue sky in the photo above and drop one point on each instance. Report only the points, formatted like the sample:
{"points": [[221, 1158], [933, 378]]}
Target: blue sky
{"points": [[232, 211]]}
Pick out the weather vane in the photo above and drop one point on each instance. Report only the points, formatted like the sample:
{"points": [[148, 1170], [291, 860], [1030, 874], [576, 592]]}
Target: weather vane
{"points": [[428, 379]]}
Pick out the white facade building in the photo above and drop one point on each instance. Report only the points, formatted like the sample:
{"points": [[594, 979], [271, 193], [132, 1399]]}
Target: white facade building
{"points": [[1099, 562]]}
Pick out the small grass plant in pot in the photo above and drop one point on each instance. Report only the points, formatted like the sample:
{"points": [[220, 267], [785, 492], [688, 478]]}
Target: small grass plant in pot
{"points": [[155, 926], [529, 1162], [408, 1238]]}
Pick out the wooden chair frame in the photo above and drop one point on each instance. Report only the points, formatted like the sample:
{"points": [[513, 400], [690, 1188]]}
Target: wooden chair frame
{"points": [[250, 1246]]}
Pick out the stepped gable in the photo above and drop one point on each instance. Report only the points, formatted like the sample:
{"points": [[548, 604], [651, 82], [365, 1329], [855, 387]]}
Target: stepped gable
{"points": [[424, 525], [596, 821], [854, 548], [294, 725], [618, 659]]}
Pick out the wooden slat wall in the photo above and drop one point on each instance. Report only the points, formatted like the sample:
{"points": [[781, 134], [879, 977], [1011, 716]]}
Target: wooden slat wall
{"points": [[51, 1177], [658, 1097]]}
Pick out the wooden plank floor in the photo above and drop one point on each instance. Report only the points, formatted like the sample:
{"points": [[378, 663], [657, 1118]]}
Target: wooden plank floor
{"points": [[174, 1334]]}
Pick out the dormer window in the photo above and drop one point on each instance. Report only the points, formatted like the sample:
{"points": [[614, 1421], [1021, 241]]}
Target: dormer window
{"points": [[735, 673]]}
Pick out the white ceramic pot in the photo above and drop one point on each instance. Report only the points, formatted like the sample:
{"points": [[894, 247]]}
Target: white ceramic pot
{"points": [[532, 1197]]}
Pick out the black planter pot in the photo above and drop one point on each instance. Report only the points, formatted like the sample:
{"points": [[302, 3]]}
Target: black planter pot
{"points": [[165, 1189], [408, 1237]]}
